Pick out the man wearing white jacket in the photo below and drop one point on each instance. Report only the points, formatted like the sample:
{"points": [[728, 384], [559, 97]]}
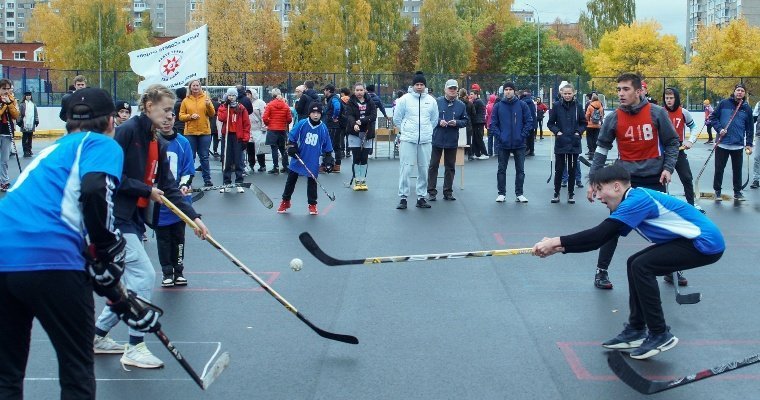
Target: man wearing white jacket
{"points": [[416, 114]]}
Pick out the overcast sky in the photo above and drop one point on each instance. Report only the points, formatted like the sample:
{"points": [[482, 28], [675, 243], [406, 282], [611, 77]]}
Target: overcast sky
{"points": [[671, 14]]}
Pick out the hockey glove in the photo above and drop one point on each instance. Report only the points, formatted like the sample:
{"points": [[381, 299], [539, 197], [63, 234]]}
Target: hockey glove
{"points": [[138, 313], [328, 162], [106, 266], [292, 149]]}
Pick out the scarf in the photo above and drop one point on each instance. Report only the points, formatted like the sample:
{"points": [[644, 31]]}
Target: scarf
{"points": [[29, 110]]}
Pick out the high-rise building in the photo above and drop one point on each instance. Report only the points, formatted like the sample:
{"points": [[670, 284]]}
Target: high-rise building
{"points": [[717, 12], [15, 18]]}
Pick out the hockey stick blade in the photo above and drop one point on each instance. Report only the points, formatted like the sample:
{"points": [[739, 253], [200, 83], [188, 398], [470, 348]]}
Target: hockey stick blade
{"points": [[619, 365], [584, 161], [551, 171], [312, 247], [328, 335], [263, 198], [197, 196], [221, 363], [217, 187], [691, 298]]}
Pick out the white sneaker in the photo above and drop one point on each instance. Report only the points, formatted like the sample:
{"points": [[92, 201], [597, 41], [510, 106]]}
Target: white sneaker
{"points": [[139, 356], [521, 199], [501, 198], [248, 170], [240, 189], [106, 345], [482, 157], [225, 190]]}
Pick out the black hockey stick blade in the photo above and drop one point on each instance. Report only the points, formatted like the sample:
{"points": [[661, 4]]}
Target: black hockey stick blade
{"points": [[691, 298], [551, 171], [312, 247], [210, 376], [263, 198], [620, 366], [197, 196], [584, 161], [328, 335], [217, 187], [746, 182]]}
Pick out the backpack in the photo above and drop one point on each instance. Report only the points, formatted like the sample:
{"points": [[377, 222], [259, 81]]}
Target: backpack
{"points": [[596, 116]]}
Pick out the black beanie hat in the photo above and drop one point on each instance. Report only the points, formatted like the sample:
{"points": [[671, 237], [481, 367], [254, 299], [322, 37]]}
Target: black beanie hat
{"points": [[419, 77], [508, 84]]}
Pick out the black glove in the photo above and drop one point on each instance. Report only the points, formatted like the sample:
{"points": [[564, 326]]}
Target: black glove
{"points": [[106, 265], [328, 162], [292, 149], [137, 312]]}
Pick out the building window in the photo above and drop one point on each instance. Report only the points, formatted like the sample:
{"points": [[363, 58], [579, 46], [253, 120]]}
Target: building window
{"points": [[21, 15], [159, 15], [39, 55], [406, 9], [10, 34], [10, 24], [19, 55], [193, 6], [415, 21], [20, 25], [31, 5], [9, 14], [139, 5], [138, 24], [159, 25], [11, 6], [160, 6]]}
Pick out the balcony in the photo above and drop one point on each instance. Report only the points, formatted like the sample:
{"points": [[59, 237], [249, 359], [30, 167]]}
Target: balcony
{"points": [[139, 7]]}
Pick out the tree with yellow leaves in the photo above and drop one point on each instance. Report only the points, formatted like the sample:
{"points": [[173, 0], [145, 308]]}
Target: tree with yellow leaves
{"points": [[444, 47], [638, 48], [387, 31], [69, 30], [315, 38]]}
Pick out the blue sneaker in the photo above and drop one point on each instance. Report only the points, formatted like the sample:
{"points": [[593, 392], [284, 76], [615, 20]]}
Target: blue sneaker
{"points": [[629, 338], [655, 344]]}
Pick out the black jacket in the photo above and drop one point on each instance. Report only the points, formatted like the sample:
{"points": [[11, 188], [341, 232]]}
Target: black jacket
{"points": [[302, 106], [568, 118], [134, 137], [244, 100], [378, 103], [179, 126], [367, 124], [479, 118]]}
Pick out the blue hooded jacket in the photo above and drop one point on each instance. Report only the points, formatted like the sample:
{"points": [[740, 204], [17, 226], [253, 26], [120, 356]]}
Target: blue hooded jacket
{"points": [[741, 130], [511, 123]]}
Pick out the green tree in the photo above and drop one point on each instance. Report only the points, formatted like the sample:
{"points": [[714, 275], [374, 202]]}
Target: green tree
{"points": [[387, 28], [69, 30], [315, 39], [605, 15], [444, 47], [407, 57], [361, 50], [484, 60], [476, 15]]}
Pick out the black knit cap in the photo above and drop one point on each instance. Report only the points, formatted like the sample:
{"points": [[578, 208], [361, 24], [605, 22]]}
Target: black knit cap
{"points": [[315, 107], [419, 77]]}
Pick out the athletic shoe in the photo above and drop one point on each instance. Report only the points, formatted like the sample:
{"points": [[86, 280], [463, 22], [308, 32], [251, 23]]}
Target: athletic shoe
{"points": [[262, 169], [321, 169], [483, 157], [139, 356], [285, 170], [501, 198], [168, 281], [313, 209], [198, 169], [700, 209], [364, 186], [401, 205], [564, 183], [179, 280], [629, 338], [274, 171], [521, 199], [654, 344], [5, 186], [579, 184], [336, 168], [602, 279], [571, 199], [240, 189], [284, 205], [709, 142], [755, 184], [717, 196], [248, 170], [738, 196], [431, 197], [448, 197], [225, 189], [106, 345], [682, 281], [555, 199], [357, 186], [421, 203]]}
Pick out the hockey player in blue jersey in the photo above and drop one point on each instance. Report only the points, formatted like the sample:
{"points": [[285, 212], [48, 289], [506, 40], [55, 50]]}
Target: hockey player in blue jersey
{"points": [[309, 139], [682, 237], [170, 230], [64, 196]]}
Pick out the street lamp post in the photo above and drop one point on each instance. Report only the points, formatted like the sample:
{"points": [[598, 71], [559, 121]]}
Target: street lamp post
{"points": [[538, 51]]}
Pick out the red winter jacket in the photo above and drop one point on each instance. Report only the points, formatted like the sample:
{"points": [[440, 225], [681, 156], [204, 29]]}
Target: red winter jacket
{"points": [[239, 121], [277, 115]]}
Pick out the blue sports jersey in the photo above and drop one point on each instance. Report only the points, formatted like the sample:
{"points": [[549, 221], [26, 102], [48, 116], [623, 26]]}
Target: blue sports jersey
{"points": [[313, 141], [41, 222], [180, 157], [660, 218]]}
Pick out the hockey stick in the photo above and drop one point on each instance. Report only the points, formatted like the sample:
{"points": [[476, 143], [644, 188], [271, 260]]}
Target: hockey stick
{"points": [[551, 160], [584, 161], [329, 196], [263, 198], [746, 182], [617, 361], [12, 130], [217, 187], [715, 146], [308, 242], [197, 196], [691, 298], [267, 288]]}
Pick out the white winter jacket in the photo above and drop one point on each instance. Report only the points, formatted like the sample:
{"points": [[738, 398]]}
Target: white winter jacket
{"points": [[416, 115]]}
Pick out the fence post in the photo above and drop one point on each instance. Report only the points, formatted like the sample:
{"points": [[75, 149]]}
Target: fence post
{"points": [[115, 90], [704, 88], [23, 80]]}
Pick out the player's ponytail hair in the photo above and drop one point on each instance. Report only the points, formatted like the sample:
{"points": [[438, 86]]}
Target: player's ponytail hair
{"points": [[154, 94]]}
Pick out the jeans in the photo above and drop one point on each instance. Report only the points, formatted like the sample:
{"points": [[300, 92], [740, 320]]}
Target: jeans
{"points": [[449, 159], [411, 154], [139, 277], [721, 159], [5, 155], [578, 174], [501, 174], [199, 144], [490, 145]]}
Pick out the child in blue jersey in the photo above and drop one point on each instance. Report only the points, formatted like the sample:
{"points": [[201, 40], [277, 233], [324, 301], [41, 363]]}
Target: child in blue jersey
{"points": [[62, 199], [683, 239], [307, 141], [170, 230]]}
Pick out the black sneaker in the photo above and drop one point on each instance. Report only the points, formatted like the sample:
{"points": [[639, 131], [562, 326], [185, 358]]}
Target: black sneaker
{"points": [[449, 197], [564, 184], [262, 169], [682, 281], [274, 171], [755, 184], [208, 184], [401, 205], [555, 199], [579, 184], [285, 170], [199, 168], [738, 196], [717, 196], [654, 344], [571, 199], [629, 338], [602, 279], [431, 197], [180, 280], [167, 281], [421, 203]]}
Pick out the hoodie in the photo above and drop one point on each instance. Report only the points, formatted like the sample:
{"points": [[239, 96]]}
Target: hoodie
{"points": [[302, 106], [489, 108], [244, 100], [416, 114], [511, 123], [680, 117]]}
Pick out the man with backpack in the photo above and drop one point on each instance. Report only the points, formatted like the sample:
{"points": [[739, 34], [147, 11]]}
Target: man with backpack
{"points": [[594, 117]]}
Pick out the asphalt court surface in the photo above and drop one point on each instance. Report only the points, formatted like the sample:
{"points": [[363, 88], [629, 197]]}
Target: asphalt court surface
{"points": [[515, 327]]}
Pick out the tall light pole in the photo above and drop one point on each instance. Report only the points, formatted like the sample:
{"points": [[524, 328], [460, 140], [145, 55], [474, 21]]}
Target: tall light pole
{"points": [[538, 50]]}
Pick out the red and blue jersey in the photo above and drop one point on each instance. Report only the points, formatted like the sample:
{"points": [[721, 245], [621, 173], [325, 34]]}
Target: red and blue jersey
{"points": [[313, 141]]}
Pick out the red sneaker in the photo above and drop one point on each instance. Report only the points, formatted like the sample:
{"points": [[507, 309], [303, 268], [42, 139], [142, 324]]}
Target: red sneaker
{"points": [[284, 205], [312, 209]]}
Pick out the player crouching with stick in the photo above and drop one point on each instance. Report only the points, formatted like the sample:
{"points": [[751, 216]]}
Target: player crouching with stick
{"points": [[307, 140], [683, 239]]}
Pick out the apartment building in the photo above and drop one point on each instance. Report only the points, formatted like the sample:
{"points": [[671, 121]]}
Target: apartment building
{"points": [[717, 12]]}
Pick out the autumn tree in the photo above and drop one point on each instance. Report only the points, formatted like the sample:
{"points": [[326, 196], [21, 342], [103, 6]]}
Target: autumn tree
{"points": [[605, 15], [407, 58], [476, 15], [484, 59], [387, 28], [361, 49], [266, 43], [69, 30], [444, 47]]}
